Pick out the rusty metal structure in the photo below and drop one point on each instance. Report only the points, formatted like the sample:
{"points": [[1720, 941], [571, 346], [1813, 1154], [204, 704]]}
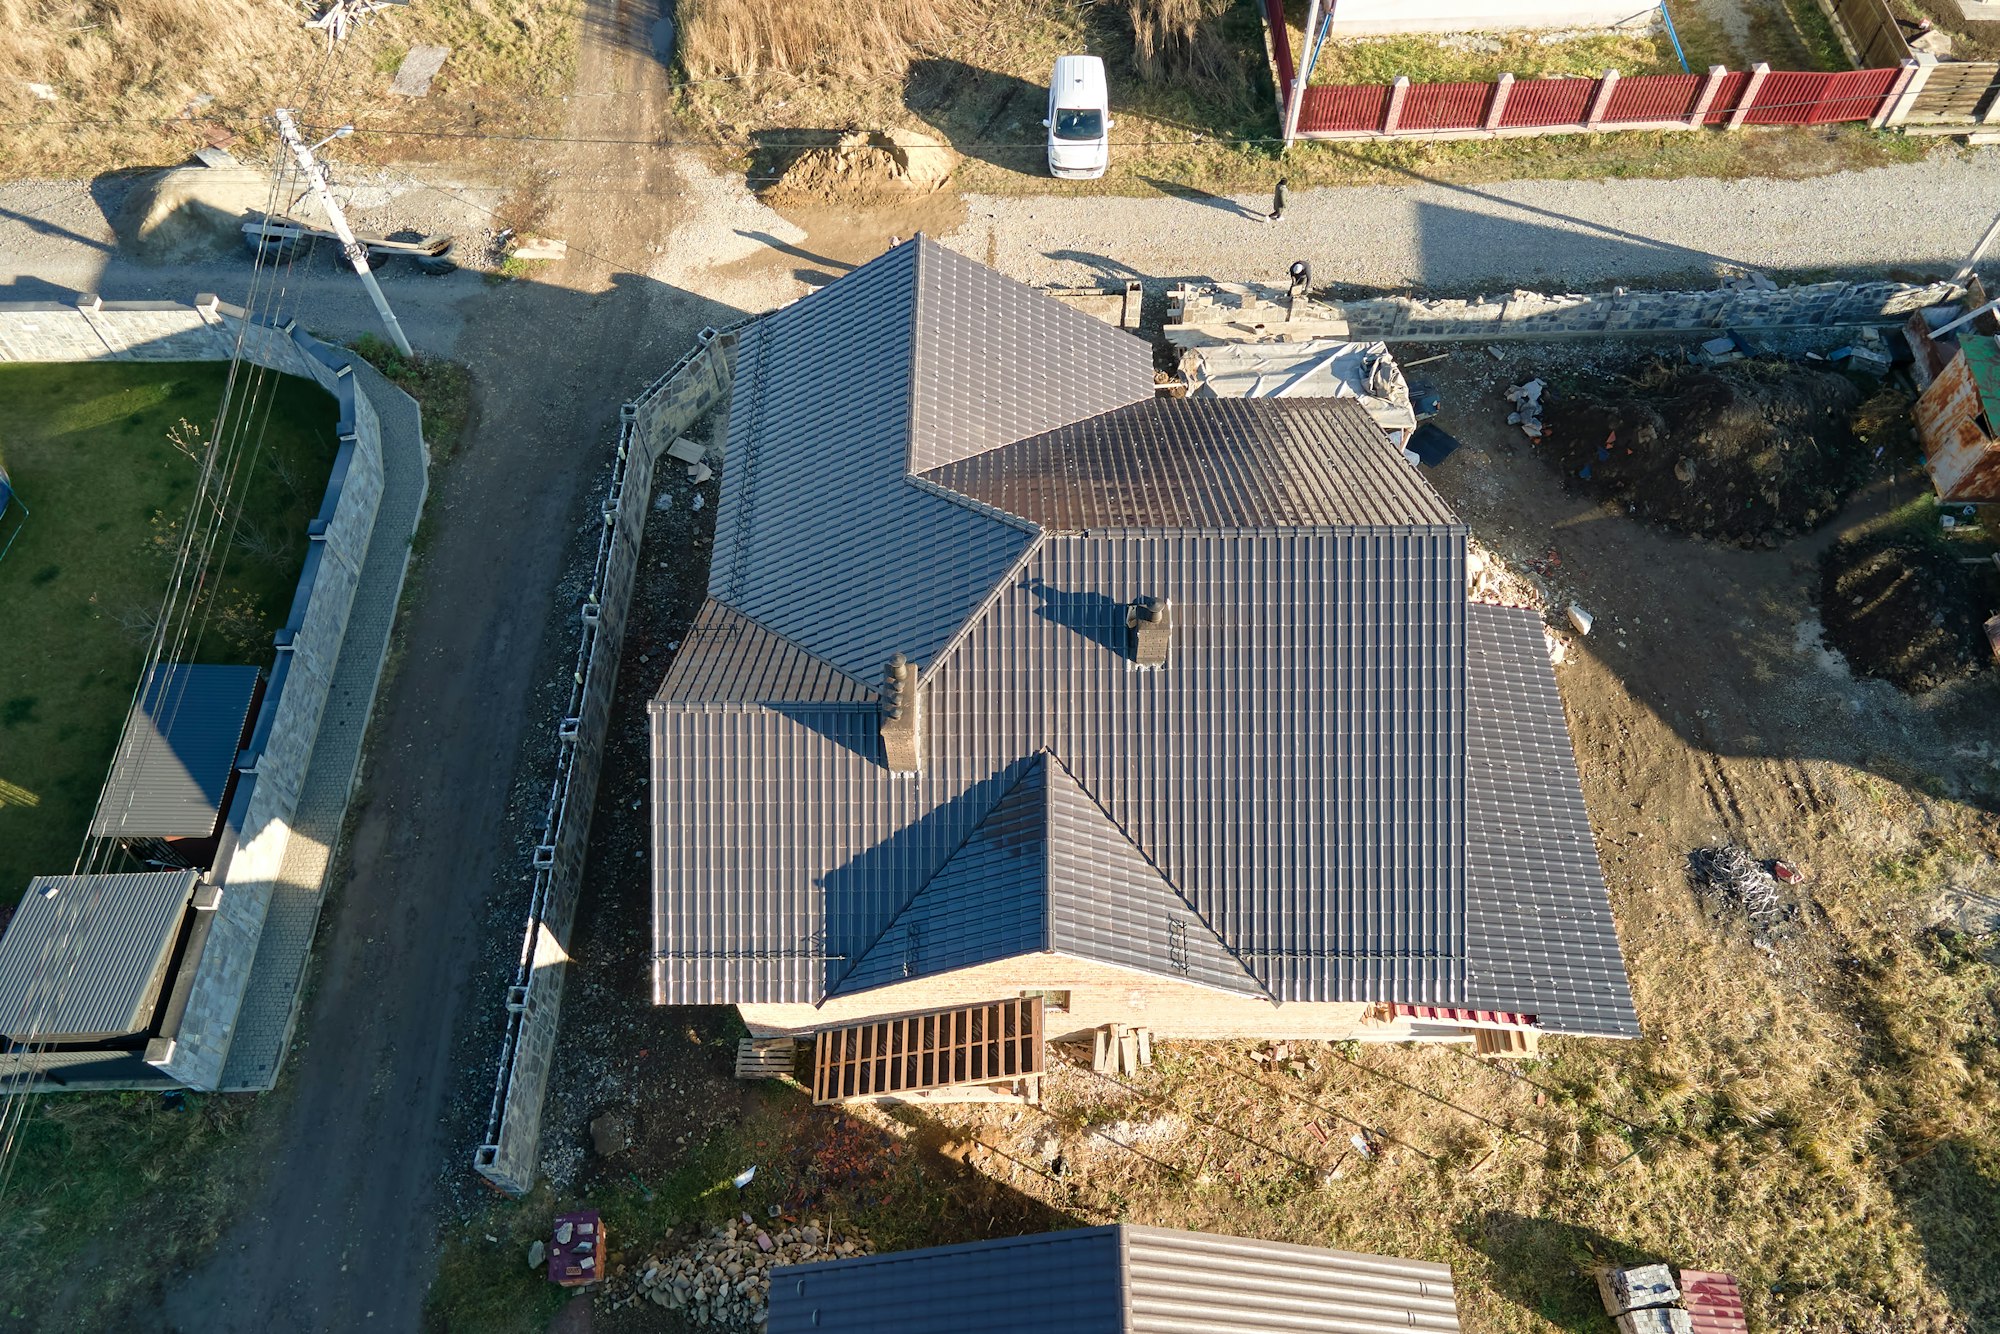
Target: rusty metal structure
{"points": [[1958, 414]]}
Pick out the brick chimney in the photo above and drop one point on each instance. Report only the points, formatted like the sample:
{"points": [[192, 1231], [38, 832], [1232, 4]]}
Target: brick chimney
{"points": [[902, 717], [1149, 625]]}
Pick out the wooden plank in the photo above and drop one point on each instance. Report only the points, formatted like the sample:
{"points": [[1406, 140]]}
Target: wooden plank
{"points": [[964, 1046]]}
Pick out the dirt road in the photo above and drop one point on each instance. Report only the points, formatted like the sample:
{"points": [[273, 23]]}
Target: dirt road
{"points": [[340, 1236]]}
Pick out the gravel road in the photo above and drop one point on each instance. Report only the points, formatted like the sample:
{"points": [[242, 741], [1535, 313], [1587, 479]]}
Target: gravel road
{"points": [[1540, 235]]}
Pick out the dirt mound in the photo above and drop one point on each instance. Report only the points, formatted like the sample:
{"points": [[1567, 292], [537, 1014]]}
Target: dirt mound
{"points": [[1745, 454], [1905, 610], [191, 212], [864, 163]]}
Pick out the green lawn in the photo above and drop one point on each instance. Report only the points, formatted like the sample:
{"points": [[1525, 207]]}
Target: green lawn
{"points": [[89, 450]]}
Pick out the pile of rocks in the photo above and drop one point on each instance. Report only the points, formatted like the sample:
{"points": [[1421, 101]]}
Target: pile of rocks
{"points": [[724, 1280]]}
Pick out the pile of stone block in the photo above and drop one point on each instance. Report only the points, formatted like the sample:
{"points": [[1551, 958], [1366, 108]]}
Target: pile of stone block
{"points": [[1644, 1300]]}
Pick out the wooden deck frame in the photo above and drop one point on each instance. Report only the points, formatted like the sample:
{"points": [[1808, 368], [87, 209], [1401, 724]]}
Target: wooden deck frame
{"points": [[995, 1042]]}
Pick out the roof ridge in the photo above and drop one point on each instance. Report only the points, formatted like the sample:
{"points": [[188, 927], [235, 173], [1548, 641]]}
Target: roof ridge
{"points": [[1164, 879]]}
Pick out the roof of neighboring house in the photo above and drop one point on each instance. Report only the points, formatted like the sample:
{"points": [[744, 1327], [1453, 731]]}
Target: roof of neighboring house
{"points": [[85, 956], [1282, 810], [173, 763], [1119, 1279]]}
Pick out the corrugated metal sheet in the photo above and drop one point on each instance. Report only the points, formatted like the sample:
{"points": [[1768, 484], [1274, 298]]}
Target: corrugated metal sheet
{"points": [[1205, 463], [86, 962], [1538, 923], [1714, 1302], [1322, 663], [727, 658], [980, 337], [1956, 418], [178, 750], [1055, 1283], [1180, 1282], [1115, 1280]]}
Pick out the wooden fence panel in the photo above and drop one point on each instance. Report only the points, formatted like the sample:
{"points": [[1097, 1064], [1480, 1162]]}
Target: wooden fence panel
{"points": [[1955, 94], [1878, 41]]}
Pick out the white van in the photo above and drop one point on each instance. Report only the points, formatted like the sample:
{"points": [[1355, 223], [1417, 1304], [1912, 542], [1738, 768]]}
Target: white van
{"points": [[1079, 119]]}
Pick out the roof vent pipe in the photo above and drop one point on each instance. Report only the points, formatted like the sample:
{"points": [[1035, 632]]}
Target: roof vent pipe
{"points": [[1149, 624], [902, 717]]}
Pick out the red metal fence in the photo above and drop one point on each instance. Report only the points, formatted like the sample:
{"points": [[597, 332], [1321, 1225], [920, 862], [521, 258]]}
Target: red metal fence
{"points": [[1611, 103]]}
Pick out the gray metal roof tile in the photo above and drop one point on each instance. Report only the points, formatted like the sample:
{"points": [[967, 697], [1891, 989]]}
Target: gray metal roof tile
{"points": [[178, 750], [84, 957], [1542, 940], [1119, 1279], [1204, 463], [727, 658], [1297, 774], [981, 336], [990, 899]]}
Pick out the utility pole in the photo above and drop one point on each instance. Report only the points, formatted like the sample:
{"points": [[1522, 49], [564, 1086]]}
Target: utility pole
{"points": [[1964, 275], [356, 253]]}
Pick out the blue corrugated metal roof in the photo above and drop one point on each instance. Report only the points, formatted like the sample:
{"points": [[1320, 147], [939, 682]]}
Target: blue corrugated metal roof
{"points": [[179, 748]]}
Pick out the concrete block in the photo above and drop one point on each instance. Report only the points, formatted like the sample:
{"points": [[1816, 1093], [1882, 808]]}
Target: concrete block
{"points": [[1641, 1285]]}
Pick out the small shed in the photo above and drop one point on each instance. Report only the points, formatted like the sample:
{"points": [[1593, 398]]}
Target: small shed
{"points": [[86, 957], [177, 759]]}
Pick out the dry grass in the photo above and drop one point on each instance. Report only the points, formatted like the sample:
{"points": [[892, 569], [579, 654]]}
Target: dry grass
{"points": [[1180, 41], [868, 38], [144, 82]]}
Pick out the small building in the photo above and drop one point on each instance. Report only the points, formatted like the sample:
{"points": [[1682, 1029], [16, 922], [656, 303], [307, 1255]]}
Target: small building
{"points": [[175, 767], [1119, 1279], [94, 972], [1016, 681]]}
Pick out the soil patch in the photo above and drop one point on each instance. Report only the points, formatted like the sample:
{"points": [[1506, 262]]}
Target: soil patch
{"points": [[863, 164], [1905, 610], [1745, 454]]}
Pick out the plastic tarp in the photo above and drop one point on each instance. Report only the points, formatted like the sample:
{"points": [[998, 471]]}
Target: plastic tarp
{"points": [[1311, 368]]}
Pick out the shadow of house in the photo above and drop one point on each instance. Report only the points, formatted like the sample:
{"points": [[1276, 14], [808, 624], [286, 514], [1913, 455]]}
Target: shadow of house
{"points": [[1545, 1266], [1951, 1194]]}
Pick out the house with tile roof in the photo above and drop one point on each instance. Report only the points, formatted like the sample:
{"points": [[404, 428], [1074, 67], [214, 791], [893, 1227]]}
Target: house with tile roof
{"points": [[1018, 681]]}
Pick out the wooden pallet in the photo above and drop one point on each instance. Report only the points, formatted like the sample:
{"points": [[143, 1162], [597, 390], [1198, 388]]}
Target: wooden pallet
{"points": [[765, 1058], [992, 1044]]}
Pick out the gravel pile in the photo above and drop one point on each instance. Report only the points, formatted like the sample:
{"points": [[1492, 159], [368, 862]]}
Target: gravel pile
{"points": [[724, 1280]]}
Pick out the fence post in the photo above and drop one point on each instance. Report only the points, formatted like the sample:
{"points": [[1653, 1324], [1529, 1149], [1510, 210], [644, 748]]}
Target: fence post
{"points": [[1758, 73], [1595, 116], [1503, 88], [1713, 85], [1902, 94], [1393, 115]]}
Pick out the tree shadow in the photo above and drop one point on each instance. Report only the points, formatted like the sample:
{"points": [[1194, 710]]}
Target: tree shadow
{"points": [[984, 114], [1951, 1194], [1545, 1266]]}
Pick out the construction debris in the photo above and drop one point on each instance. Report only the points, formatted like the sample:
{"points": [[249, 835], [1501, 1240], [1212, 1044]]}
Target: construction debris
{"points": [[1630, 1289], [577, 1257], [1121, 1050], [1580, 619], [538, 247], [1729, 879], [419, 67], [340, 16], [724, 1279], [1527, 413]]}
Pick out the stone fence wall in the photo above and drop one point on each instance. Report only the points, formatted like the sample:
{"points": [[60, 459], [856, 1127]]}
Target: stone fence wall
{"points": [[698, 385], [260, 815], [1236, 311]]}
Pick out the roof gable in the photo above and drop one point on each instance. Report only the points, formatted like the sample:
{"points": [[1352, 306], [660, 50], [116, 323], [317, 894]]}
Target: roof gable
{"points": [[990, 899], [995, 361], [1046, 869], [1109, 904]]}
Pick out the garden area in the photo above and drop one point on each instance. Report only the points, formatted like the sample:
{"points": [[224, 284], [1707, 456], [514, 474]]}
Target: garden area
{"points": [[104, 459]]}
